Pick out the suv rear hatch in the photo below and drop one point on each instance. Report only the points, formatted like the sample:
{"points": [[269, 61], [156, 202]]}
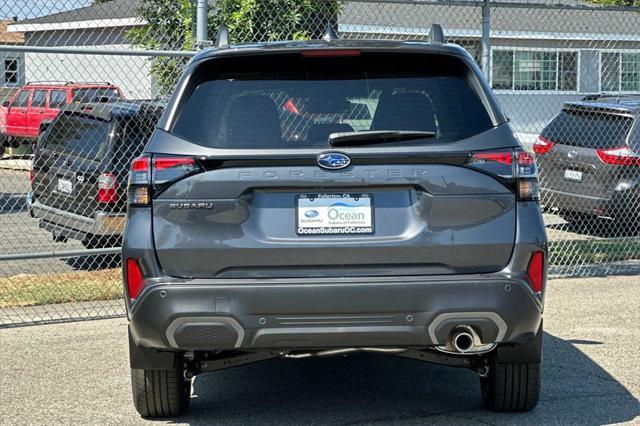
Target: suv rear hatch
{"points": [[238, 190], [571, 148]]}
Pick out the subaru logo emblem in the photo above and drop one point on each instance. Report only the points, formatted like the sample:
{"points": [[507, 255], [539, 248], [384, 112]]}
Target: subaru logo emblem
{"points": [[572, 154], [333, 160], [311, 213]]}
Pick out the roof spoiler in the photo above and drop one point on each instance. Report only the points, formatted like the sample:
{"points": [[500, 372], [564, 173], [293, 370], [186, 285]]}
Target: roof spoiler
{"points": [[436, 34], [595, 97]]}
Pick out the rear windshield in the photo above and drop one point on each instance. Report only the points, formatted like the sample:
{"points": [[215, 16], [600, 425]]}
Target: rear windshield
{"points": [[79, 136], [588, 129], [293, 101], [134, 134], [95, 94]]}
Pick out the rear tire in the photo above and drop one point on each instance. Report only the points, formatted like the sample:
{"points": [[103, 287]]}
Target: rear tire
{"points": [[160, 393], [511, 387]]}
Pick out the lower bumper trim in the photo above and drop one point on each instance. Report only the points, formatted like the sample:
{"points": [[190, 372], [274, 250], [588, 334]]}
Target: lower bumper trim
{"points": [[398, 312]]}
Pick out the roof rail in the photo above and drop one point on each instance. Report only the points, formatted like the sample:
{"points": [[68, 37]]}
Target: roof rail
{"points": [[31, 83], [436, 34], [65, 82], [329, 33], [222, 37], [91, 82]]}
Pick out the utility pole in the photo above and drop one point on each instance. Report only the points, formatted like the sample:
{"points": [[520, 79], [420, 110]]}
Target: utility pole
{"points": [[201, 24], [486, 44]]}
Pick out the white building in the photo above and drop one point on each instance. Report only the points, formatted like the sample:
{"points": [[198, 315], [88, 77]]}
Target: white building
{"points": [[100, 26]]}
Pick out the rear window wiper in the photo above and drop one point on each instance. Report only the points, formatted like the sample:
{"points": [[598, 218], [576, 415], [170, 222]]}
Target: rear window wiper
{"points": [[376, 136]]}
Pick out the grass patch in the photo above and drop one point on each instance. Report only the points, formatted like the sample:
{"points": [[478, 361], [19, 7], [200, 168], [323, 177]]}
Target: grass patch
{"points": [[582, 252], [67, 287]]}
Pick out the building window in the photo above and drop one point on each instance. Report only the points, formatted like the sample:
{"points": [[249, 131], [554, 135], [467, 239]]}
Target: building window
{"points": [[535, 70], [620, 71], [11, 71]]}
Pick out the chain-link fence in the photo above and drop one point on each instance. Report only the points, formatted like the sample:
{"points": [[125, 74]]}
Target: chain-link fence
{"points": [[83, 84]]}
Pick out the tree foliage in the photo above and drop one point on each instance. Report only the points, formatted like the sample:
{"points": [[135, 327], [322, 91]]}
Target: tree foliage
{"points": [[617, 2], [171, 26]]}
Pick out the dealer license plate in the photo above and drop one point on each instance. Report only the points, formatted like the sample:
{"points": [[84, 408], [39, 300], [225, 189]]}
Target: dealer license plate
{"points": [[323, 214]]}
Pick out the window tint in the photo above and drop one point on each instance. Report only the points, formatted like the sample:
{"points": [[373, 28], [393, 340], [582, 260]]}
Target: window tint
{"points": [[11, 71], [630, 72], [534, 70], [58, 98], [502, 69], [568, 69], [610, 72], [588, 129], [80, 136], [298, 102], [95, 94], [22, 99], [133, 136], [39, 99]]}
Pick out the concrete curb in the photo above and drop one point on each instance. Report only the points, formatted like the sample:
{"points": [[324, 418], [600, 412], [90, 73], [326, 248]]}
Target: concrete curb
{"points": [[20, 164]]}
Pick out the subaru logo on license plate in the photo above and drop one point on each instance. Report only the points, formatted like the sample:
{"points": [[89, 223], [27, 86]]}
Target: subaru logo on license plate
{"points": [[333, 160]]}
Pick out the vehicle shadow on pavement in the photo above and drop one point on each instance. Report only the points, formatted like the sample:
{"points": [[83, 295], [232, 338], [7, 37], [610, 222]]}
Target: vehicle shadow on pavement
{"points": [[94, 262], [371, 388], [13, 203]]}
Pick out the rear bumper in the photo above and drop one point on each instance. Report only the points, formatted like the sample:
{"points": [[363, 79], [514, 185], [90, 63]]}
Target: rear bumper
{"points": [[336, 312], [620, 205], [71, 225]]}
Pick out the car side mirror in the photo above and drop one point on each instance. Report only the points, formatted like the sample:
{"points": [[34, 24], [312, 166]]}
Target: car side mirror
{"points": [[6, 104]]}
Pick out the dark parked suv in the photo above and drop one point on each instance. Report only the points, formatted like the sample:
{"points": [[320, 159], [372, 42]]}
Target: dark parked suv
{"points": [[589, 159], [419, 236], [81, 166]]}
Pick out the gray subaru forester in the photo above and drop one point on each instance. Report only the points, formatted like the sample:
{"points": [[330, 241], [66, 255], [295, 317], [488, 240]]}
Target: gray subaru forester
{"points": [[331, 196]]}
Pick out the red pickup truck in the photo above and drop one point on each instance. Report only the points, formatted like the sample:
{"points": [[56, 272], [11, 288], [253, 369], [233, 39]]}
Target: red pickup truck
{"points": [[33, 103]]}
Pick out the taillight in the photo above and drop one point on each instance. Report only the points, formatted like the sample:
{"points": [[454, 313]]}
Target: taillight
{"points": [[151, 175], [498, 163], [32, 175], [517, 169], [107, 188], [134, 278], [542, 145], [168, 169], [535, 271], [139, 181], [622, 156]]}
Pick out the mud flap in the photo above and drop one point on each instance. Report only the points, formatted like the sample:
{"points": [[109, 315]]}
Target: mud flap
{"points": [[150, 359], [525, 353]]}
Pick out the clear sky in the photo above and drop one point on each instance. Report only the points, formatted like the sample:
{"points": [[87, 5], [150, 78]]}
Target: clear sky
{"points": [[25, 9]]}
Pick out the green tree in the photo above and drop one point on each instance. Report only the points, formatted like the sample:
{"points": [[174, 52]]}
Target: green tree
{"points": [[171, 26], [617, 2], [272, 20]]}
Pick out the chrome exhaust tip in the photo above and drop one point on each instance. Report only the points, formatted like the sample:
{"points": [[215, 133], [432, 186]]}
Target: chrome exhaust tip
{"points": [[462, 341]]}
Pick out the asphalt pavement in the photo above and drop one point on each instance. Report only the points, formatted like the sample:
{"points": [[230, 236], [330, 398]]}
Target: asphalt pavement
{"points": [[77, 373]]}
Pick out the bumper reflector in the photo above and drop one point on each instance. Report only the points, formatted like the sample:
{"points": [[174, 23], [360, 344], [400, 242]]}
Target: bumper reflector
{"points": [[135, 278], [535, 271]]}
